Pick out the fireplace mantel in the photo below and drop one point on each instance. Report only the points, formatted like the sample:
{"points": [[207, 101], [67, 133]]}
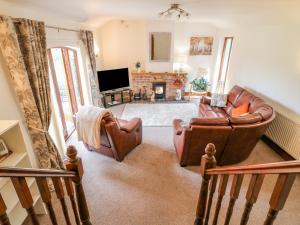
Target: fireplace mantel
{"points": [[158, 73], [146, 79]]}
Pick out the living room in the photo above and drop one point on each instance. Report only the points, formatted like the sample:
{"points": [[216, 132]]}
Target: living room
{"points": [[155, 106]]}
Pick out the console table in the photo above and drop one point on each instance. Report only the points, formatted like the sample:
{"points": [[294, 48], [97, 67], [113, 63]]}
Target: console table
{"points": [[113, 98]]}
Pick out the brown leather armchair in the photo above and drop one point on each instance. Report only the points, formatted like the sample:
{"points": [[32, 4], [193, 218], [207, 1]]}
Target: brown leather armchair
{"points": [[118, 138], [234, 136]]}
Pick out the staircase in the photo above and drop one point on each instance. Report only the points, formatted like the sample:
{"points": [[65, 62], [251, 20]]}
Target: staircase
{"points": [[62, 180], [286, 172]]}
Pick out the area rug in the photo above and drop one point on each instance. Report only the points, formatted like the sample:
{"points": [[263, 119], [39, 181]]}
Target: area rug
{"points": [[160, 114]]}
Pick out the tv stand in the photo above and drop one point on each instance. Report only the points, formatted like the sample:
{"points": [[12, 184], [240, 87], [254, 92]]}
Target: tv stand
{"points": [[116, 97]]}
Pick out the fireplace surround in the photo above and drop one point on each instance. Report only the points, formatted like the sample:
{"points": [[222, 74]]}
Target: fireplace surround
{"points": [[147, 79]]}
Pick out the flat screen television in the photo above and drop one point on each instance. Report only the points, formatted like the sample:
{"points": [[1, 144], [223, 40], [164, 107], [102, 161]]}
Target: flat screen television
{"points": [[113, 79]]}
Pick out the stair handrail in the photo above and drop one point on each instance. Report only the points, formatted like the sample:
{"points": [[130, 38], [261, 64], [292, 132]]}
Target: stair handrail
{"points": [[292, 166], [29, 172], [210, 173], [72, 178]]}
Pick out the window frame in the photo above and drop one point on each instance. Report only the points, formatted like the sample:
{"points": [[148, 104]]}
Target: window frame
{"points": [[223, 58], [70, 84]]}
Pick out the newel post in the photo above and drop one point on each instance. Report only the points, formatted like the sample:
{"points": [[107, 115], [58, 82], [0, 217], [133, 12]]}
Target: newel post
{"points": [[74, 163], [208, 161]]}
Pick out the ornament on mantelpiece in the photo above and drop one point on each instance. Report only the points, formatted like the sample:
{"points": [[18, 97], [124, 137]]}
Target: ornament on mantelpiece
{"points": [[138, 66], [152, 99]]}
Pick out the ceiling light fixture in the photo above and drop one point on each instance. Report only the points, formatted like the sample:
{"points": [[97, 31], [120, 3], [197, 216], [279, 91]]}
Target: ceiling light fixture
{"points": [[175, 10]]}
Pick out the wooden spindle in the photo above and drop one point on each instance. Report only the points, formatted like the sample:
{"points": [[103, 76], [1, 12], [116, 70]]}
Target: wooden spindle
{"points": [[4, 220], [279, 196], [46, 197], [221, 193], [25, 197], [74, 163], [234, 194], [59, 190], [208, 161], [212, 189], [70, 192], [252, 195]]}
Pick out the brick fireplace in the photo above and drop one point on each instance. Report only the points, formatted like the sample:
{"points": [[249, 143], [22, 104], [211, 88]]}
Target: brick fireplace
{"points": [[151, 80]]}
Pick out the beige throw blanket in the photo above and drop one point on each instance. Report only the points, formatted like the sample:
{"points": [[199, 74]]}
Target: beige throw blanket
{"points": [[88, 121]]}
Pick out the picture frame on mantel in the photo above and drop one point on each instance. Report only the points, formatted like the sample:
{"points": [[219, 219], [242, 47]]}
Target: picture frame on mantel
{"points": [[201, 45]]}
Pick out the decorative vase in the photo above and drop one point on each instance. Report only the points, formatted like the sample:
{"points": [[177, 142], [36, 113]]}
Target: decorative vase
{"points": [[178, 95]]}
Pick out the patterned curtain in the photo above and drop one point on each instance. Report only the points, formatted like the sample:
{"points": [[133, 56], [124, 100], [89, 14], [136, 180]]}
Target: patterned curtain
{"points": [[23, 45], [88, 40]]}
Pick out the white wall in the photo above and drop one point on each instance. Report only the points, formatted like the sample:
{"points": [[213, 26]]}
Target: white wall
{"points": [[54, 39], [123, 44], [183, 33], [267, 60]]}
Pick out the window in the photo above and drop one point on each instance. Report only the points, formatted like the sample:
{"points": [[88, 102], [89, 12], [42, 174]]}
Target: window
{"points": [[225, 59], [66, 81]]}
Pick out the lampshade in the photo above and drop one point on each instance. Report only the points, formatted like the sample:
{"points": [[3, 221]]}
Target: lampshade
{"points": [[202, 72]]}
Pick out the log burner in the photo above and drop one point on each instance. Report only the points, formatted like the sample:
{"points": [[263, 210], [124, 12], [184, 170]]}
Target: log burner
{"points": [[159, 89]]}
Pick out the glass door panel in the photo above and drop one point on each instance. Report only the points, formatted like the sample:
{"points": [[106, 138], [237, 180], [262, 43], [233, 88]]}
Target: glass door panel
{"points": [[76, 76], [67, 85]]}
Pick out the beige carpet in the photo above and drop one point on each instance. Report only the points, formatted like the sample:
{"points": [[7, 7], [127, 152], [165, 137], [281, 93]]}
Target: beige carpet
{"points": [[161, 114], [150, 188]]}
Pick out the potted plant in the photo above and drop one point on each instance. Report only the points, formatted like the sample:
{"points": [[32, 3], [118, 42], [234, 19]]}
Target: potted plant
{"points": [[138, 66], [199, 84]]}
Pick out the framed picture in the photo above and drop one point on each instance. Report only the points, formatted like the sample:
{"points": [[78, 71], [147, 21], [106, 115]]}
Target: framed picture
{"points": [[201, 45], [3, 148]]}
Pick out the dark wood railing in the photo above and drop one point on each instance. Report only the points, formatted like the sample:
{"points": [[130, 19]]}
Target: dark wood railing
{"points": [[61, 181], [286, 171]]}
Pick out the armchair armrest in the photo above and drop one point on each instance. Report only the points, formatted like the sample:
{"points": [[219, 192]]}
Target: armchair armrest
{"points": [[205, 100], [129, 126], [177, 126]]}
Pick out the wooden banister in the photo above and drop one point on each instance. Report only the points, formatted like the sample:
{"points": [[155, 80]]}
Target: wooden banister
{"points": [[3, 216], [208, 161], [71, 177], [270, 168], [286, 176], [28, 172]]}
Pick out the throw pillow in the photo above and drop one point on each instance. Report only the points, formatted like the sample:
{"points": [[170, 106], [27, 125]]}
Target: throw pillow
{"points": [[240, 110]]}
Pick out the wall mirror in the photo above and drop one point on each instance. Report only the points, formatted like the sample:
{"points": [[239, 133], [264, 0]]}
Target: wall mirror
{"points": [[160, 46]]}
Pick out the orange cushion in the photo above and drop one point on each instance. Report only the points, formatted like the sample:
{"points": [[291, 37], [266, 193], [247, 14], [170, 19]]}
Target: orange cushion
{"points": [[239, 111]]}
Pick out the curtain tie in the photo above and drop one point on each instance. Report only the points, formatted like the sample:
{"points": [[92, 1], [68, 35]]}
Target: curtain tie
{"points": [[38, 129]]}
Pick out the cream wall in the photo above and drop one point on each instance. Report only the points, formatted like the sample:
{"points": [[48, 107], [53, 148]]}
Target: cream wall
{"points": [[267, 60], [54, 38], [122, 44]]}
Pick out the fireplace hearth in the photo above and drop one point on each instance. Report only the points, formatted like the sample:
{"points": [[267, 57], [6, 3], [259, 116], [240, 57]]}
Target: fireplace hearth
{"points": [[159, 89]]}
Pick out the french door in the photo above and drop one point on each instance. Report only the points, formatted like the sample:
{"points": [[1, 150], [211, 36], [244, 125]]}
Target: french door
{"points": [[66, 81]]}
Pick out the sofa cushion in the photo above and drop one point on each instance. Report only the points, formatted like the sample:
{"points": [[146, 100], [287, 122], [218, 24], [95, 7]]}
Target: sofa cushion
{"points": [[204, 107], [234, 94], [205, 100], [240, 110], [228, 108], [255, 104], [265, 111], [247, 119], [209, 121]]}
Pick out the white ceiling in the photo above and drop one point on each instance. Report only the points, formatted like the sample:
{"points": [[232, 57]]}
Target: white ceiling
{"points": [[218, 12]]}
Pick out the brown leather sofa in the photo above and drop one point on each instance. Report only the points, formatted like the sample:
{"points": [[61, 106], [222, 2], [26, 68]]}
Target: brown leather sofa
{"points": [[234, 136], [118, 138]]}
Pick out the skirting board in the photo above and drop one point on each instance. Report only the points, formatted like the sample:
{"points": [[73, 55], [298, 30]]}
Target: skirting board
{"points": [[277, 148]]}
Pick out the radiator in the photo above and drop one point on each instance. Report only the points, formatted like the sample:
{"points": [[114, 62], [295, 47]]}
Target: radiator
{"points": [[285, 132]]}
